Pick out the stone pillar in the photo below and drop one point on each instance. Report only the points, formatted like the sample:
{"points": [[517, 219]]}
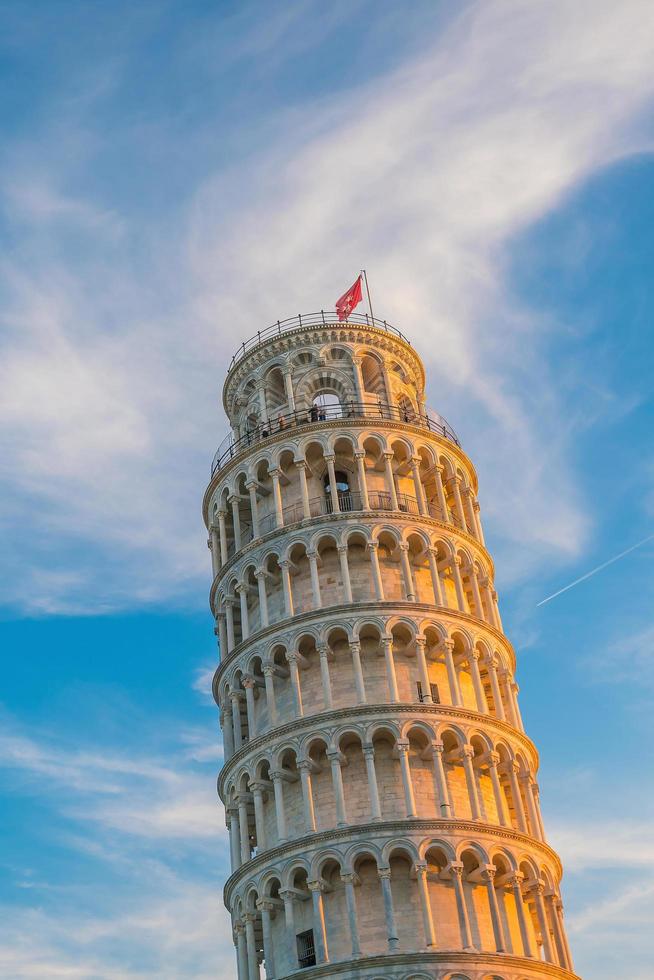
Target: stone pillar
{"points": [[512, 769], [470, 512], [432, 556], [242, 590], [515, 883], [292, 659], [336, 507], [257, 788], [345, 573], [425, 906], [456, 871], [234, 837], [228, 731], [390, 481], [349, 880], [558, 909], [389, 912], [319, 930], [358, 377], [285, 566], [537, 891], [417, 485], [235, 698], [495, 688], [363, 483], [467, 755], [387, 643], [441, 781], [301, 467], [480, 530], [269, 680], [288, 898], [241, 951], [476, 594], [480, 697], [402, 746], [406, 572], [334, 757], [266, 908], [222, 528], [288, 387], [355, 650], [277, 497], [458, 584], [260, 576], [249, 685], [222, 634], [277, 777], [535, 827], [420, 643], [453, 680], [440, 493], [251, 487], [214, 548], [253, 959], [323, 653], [244, 833], [315, 579], [305, 768], [488, 874], [490, 605], [369, 758], [500, 803], [229, 618], [236, 520], [376, 572], [458, 505]]}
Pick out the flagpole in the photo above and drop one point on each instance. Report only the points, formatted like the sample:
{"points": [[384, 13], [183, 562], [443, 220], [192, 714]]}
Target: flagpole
{"points": [[365, 279]]}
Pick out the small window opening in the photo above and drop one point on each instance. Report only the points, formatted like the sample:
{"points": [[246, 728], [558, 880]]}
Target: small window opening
{"points": [[306, 950], [433, 690]]}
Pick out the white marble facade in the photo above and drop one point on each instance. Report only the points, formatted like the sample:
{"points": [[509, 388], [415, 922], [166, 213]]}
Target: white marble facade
{"points": [[380, 790]]}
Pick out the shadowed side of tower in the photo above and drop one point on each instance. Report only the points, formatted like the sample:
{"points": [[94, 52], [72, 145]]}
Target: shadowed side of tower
{"points": [[380, 791]]}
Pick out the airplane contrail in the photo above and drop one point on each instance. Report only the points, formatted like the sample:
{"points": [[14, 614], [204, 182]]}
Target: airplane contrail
{"points": [[595, 570]]}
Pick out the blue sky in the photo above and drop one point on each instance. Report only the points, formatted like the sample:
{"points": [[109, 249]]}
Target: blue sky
{"points": [[176, 176]]}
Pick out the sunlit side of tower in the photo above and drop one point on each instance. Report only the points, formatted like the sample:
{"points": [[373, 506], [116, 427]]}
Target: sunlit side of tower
{"points": [[381, 795]]}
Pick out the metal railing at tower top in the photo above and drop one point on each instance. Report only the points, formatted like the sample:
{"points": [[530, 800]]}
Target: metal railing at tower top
{"points": [[231, 447], [320, 319]]}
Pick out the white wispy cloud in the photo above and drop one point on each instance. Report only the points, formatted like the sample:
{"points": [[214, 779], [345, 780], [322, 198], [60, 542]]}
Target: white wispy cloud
{"points": [[111, 366]]}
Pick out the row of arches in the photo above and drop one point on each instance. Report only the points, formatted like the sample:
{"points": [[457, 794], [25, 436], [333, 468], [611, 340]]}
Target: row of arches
{"points": [[374, 772], [357, 563], [390, 660], [397, 896], [339, 472], [294, 381]]}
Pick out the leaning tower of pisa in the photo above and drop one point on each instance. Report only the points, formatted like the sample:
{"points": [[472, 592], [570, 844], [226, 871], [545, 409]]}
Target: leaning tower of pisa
{"points": [[380, 790]]}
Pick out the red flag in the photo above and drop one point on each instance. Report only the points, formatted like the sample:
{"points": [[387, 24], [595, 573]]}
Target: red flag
{"points": [[349, 300]]}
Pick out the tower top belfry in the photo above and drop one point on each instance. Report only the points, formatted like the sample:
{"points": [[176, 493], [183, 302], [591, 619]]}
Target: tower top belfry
{"points": [[380, 791]]}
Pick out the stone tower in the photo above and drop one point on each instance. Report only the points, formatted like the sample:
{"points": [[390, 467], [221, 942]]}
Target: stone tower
{"points": [[380, 790]]}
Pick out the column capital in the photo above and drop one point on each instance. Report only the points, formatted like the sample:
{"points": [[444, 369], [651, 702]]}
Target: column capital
{"points": [[248, 681], [402, 745], [488, 872], [467, 752], [355, 646], [384, 873], [372, 545], [312, 555], [516, 879], [234, 696], [305, 765], [292, 657], [268, 670], [323, 649], [315, 886], [260, 572], [285, 563], [329, 457], [438, 746], [420, 868], [251, 485], [403, 546], [420, 640], [241, 587], [301, 464], [456, 869], [334, 755], [360, 454], [266, 904], [493, 759], [448, 645], [456, 560], [474, 654], [342, 549], [368, 751], [415, 460], [350, 878], [388, 454]]}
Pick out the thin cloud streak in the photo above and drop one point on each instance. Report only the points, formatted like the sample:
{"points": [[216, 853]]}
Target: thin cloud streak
{"points": [[594, 571]]}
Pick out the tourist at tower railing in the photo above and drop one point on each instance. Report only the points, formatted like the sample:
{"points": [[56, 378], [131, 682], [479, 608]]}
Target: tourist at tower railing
{"points": [[380, 791]]}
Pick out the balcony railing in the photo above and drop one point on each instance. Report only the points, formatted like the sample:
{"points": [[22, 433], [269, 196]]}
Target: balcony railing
{"points": [[231, 447], [350, 501], [320, 319]]}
